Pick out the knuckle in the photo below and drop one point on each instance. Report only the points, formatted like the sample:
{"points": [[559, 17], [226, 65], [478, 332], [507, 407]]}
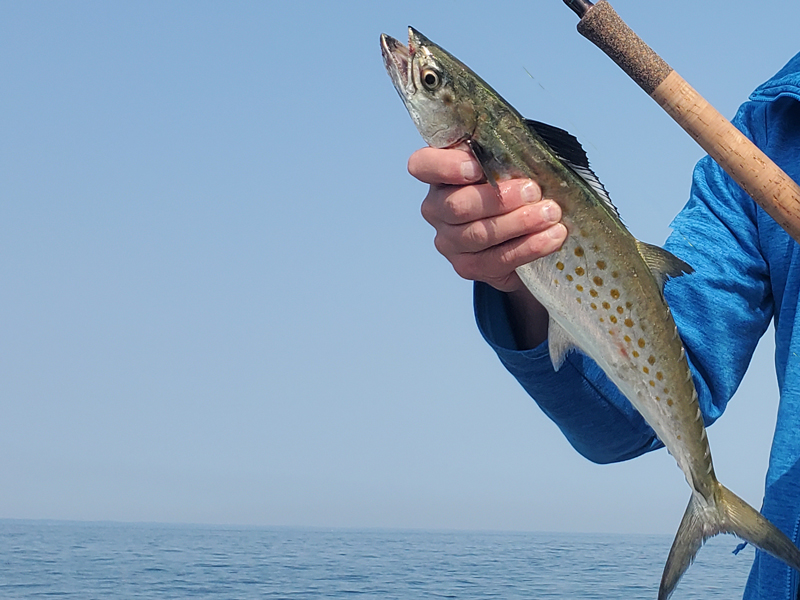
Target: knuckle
{"points": [[440, 244], [457, 207], [508, 258], [433, 206], [476, 236], [427, 209]]}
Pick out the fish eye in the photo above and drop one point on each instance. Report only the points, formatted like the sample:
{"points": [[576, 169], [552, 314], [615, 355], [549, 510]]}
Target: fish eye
{"points": [[431, 79]]}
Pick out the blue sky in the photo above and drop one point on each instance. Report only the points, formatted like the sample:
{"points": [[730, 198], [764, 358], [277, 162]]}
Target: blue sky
{"points": [[220, 303]]}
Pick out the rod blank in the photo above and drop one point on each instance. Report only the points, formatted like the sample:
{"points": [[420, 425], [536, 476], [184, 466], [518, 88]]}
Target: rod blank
{"points": [[579, 7]]}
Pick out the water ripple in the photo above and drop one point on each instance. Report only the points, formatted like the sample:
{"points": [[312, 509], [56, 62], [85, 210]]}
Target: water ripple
{"points": [[91, 560]]}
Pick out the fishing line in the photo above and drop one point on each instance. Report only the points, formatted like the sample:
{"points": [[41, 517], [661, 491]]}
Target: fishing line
{"points": [[554, 103]]}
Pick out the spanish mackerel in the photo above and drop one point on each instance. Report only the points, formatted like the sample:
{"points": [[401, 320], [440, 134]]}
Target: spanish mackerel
{"points": [[603, 289]]}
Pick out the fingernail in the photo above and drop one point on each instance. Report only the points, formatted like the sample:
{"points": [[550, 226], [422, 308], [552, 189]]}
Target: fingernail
{"points": [[551, 211], [470, 170], [556, 231], [529, 193]]}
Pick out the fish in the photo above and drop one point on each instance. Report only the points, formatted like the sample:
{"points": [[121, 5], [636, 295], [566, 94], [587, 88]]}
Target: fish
{"points": [[603, 289]]}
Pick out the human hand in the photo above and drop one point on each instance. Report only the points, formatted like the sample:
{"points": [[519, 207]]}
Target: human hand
{"points": [[485, 236]]}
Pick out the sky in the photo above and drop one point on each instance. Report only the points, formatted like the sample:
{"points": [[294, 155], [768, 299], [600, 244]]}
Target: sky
{"points": [[220, 303]]}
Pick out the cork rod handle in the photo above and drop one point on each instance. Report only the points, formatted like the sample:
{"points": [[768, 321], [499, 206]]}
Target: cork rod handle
{"points": [[747, 165]]}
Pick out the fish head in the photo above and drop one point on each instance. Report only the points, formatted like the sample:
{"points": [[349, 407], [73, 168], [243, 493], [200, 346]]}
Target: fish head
{"points": [[434, 86]]}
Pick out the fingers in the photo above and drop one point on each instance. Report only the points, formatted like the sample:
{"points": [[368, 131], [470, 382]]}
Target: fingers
{"points": [[444, 166], [481, 234], [461, 205], [485, 236], [496, 264], [474, 218], [485, 232]]}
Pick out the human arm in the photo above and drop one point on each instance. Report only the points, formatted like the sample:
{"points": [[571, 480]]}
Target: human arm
{"points": [[721, 310]]}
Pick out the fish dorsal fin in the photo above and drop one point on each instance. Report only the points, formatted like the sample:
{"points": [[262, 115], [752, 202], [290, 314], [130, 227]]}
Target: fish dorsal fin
{"points": [[567, 147], [559, 343], [662, 264], [562, 142]]}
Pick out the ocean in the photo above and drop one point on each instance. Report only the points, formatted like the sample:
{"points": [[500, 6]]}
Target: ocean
{"points": [[76, 560]]}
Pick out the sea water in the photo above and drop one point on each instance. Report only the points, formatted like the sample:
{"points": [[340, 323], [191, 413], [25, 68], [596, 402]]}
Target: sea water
{"points": [[43, 559]]}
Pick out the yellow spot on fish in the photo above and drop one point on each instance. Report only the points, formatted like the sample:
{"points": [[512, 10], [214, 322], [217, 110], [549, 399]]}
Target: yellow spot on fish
{"points": [[579, 288], [670, 402], [652, 360], [666, 390], [620, 310], [658, 398], [593, 305], [627, 338], [602, 320], [652, 383], [615, 274], [569, 277], [635, 354], [612, 318], [579, 300], [560, 266], [606, 305], [659, 376], [601, 264], [628, 305], [614, 294], [555, 281], [678, 437], [645, 370], [593, 293], [598, 281], [579, 271], [579, 250], [628, 322], [610, 332], [640, 342]]}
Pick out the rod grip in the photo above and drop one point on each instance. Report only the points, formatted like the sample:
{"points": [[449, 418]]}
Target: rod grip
{"points": [[747, 165], [602, 26]]}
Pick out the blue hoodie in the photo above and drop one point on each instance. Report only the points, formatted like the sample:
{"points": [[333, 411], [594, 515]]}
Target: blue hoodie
{"points": [[747, 271]]}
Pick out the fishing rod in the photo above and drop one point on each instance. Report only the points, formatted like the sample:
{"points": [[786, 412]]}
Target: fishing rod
{"points": [[755, 173]]}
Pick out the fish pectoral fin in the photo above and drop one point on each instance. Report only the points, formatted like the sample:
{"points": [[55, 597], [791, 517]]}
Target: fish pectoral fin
{"points": [[662, 263], [559, 343], [483, 160], [727, 514]]}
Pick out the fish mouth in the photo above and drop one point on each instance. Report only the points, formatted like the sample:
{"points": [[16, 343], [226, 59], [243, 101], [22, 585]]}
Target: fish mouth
{"points": [[397, 60]]}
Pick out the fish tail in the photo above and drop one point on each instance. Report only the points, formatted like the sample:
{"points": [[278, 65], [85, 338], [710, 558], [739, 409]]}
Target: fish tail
{"points": [[727, 514]]}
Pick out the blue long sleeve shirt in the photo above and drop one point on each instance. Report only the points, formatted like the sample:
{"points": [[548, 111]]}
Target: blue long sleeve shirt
{"points": [[747, 272]]}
